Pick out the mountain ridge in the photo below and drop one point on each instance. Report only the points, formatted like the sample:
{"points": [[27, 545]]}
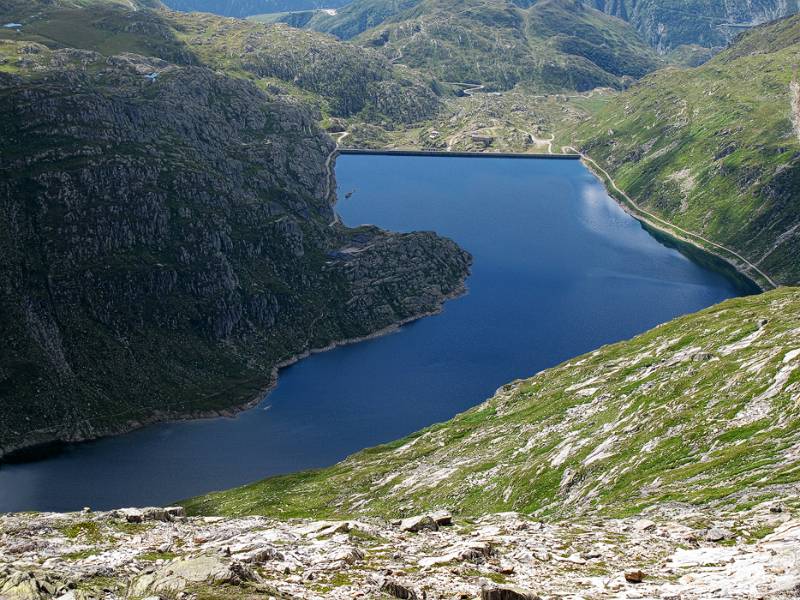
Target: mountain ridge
{"points": [[668, 25], [552, 44]]}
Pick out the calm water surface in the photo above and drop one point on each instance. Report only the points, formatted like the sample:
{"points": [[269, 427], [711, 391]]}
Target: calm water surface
{"points": [[559, 270]]}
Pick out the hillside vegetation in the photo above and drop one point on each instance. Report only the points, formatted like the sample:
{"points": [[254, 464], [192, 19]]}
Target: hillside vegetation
{"points": [[704, 410], [714, 149], [666, 25]]}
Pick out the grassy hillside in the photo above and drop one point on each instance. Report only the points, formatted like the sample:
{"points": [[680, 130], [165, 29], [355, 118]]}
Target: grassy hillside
{"points": [[715, 149], [552, 44], [93, 4], [665, 24], [703, 410]]}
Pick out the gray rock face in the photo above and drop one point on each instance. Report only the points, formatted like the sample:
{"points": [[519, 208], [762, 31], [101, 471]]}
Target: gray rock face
{"points": [[507, 592], [719, 534], [671, 23], [142, 515], [398, 590], [176, 575], [22, 585], [167, 242], [442, 518]]}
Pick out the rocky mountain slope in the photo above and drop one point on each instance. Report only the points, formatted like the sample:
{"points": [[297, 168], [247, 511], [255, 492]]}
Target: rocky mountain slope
{"points": [[664, 24], [704, 410], [668, 24], [714, 149], [551, 44], [159, 553], [358, 16], [340, 80], [167, 237]]}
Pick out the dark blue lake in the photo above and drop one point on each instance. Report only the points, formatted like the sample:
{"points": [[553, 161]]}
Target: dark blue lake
{"points": [[559, 270]]}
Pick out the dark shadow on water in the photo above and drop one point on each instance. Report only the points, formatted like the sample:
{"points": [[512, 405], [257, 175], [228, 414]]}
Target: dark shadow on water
{"points": [[744, 285], [36, 453]]}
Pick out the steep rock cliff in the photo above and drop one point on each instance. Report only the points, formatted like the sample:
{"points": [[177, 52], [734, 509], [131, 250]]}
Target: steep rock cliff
{"points": [[711, 23], [167, 239]]}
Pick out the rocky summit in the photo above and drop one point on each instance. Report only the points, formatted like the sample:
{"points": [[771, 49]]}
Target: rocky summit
{"points": [[161, 554]]}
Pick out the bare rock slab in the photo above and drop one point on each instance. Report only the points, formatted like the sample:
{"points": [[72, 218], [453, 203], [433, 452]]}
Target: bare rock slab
{"points": [[507, 592]]}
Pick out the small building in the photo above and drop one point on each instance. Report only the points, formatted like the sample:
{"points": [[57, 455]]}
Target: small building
{"points": [[486, 140]]}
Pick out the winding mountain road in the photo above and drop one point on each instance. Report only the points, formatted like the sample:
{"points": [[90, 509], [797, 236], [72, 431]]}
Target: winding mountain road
{"points": [[542, 141], [330, 175], [469, 88]]}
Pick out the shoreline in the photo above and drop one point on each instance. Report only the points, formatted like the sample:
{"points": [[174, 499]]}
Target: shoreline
{"points": [[667, 229], [38, 451], [740, 270], [41, 450]]}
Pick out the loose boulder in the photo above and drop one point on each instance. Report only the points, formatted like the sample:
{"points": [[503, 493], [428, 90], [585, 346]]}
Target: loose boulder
{"points": [[176, 575], [348, 555], [442, 518], [326, 528], [398, 590], [634, 576], [507, 592], [644, 525], [150, 513], [418, 523], [718, 534]]}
